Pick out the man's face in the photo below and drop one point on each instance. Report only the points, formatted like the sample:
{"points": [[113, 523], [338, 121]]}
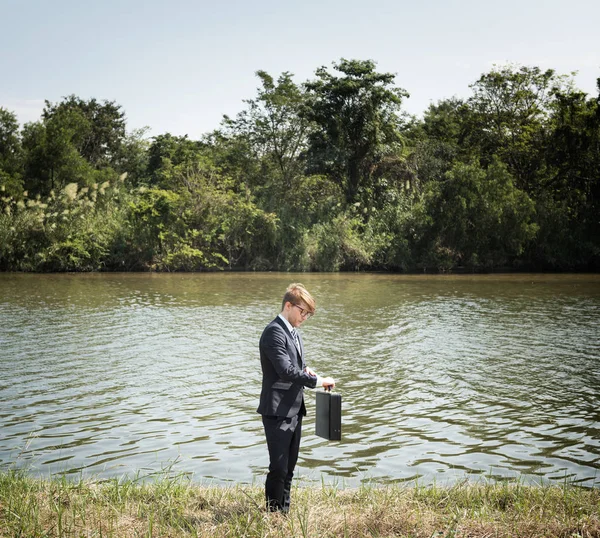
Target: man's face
{"points": [[297, 314]]}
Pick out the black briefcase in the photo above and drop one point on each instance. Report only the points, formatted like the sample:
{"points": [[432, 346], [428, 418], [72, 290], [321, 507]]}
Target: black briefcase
{"points": [[328, 423]]}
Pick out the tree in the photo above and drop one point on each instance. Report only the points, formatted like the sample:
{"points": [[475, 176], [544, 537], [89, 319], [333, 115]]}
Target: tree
{"points": [[569, 206], [51, 157], [357, 114], [134, 157], [510, 108], [274, 124], [573, 149], [167, 151], [476, 218], [11, 154], [74, 139], [100, 142], [437, 141]]}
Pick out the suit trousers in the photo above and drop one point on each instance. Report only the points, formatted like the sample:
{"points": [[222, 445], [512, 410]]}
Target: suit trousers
{"points": [[283, 441]]}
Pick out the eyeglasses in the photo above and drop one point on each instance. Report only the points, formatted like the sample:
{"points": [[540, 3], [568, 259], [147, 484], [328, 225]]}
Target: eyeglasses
{"points": [[303, 312]]}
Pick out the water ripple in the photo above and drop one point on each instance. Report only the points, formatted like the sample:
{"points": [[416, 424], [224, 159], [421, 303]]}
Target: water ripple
{"points": [[442, 377]]}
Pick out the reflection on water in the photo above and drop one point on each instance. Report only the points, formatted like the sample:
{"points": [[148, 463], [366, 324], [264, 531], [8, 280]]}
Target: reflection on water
{"points": [[442, 377]]}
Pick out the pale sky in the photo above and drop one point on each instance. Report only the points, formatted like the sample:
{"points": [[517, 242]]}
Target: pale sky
{"points": [[178, 66]]}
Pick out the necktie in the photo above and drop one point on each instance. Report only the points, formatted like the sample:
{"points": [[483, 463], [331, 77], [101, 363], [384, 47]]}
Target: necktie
{"points": [[295, 337]]}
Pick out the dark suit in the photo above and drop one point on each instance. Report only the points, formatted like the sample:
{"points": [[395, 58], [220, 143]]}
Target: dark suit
{"points": [[282, 407]]}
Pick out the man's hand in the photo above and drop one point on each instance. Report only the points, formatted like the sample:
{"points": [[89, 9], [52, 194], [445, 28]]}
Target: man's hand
{"points": [[328, 382], [310, 371]]}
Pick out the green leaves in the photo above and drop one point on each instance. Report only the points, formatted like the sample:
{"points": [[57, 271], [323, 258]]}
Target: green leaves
{"points": [[357, 115], [99, 128], [274, 125], [325, 175], [479, 219]]}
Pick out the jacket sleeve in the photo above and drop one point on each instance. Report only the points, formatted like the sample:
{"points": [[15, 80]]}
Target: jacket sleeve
{"points": [[274, 346]]}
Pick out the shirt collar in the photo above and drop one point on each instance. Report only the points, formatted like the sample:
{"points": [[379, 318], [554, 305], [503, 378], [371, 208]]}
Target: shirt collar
{"points": [[287, 324]]}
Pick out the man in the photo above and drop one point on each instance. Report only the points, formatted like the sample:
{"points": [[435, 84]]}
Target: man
{"points": [[285, 375]]}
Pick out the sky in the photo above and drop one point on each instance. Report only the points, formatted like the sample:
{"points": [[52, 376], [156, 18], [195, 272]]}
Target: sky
{"points": [[179, 66]]}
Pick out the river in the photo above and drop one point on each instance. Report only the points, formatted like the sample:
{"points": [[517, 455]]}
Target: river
{"points": [[443, 378]]}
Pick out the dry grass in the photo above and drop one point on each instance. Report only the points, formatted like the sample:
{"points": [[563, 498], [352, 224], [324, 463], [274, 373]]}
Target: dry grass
{"points": [[173, 507]]}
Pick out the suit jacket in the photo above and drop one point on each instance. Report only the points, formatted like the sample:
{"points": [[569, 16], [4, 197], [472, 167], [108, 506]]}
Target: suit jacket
{"points": [[284, 378]]}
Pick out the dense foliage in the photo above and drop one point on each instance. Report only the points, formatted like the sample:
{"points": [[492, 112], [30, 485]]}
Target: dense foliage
{"points": [[325, 175]]}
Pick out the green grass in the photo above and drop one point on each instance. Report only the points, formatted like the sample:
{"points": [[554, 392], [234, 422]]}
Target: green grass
{"points": [[170, 507]]}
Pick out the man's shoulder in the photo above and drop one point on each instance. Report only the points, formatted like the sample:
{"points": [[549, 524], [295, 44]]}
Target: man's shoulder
{"points": [[273, 328]]}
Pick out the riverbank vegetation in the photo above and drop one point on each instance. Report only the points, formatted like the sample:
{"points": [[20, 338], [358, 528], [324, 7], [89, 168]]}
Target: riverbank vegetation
{"points": [[173, 507], [324, 175]]}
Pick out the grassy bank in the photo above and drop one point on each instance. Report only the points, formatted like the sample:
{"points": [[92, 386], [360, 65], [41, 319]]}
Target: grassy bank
{"points": [[169, 507]]}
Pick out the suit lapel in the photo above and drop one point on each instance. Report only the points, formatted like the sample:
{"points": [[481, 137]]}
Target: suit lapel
{"points": [[289, 337]]}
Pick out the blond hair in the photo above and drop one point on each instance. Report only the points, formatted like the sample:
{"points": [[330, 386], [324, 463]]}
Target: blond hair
{"points": [[296, 294]]}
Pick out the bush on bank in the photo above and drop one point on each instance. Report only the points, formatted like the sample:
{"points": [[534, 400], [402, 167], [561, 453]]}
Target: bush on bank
{"points": [[327, 175]]}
